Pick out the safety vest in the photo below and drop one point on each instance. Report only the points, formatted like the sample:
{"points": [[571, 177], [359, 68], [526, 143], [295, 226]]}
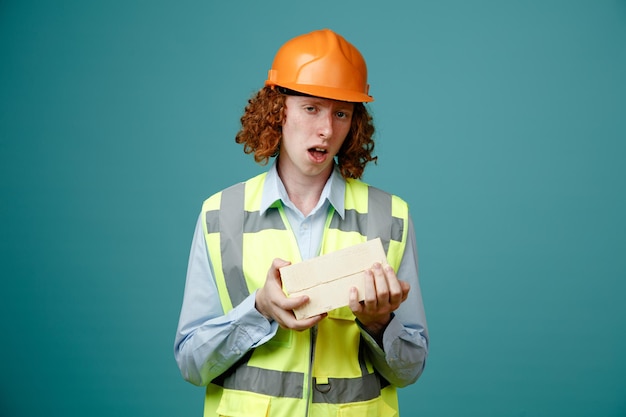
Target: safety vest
{"points": [[324, 371]]}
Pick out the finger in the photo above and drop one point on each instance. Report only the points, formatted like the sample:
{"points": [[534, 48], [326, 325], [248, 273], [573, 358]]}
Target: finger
{"points": [[294, 324], [291, 303], [278, 263], [369, 288], [382, 286], [353, 301], [395, 288], [309, 322], [406, 287]]}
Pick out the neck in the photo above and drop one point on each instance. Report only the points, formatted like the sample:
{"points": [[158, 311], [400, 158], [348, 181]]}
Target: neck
{"points": [[304, 192]]}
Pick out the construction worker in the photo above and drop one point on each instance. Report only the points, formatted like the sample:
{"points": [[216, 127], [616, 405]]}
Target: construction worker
{"points": [[237, 333]]}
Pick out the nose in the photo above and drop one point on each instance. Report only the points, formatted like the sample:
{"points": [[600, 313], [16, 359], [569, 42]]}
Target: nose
{"points": [[325, 126]]}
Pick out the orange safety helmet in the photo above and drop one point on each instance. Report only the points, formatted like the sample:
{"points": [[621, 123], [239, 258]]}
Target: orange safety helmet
{"points": [[321, 64]]}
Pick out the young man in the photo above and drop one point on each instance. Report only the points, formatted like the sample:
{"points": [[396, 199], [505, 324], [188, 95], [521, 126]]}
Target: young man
{"points": [[237, 332]]}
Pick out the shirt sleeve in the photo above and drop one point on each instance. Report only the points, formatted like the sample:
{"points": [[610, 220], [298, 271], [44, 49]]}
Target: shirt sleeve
{"points": [[402, 356], [208, 341]]}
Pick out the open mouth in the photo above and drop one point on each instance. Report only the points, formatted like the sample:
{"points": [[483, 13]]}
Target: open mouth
{"points": [[318, 154]]}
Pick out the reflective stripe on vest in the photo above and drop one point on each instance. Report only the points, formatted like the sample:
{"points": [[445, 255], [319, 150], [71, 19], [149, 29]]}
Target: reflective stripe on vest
{"points": [[275, 383], [290, 385], [372, 221], [231, 222]]}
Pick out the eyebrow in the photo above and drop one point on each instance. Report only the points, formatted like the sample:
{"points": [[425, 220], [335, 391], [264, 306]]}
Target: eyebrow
{"points": [[340, 105]]}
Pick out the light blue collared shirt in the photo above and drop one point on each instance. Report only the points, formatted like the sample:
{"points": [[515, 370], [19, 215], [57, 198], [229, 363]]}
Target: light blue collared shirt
{"points": [[309, 229], [208, 341]]}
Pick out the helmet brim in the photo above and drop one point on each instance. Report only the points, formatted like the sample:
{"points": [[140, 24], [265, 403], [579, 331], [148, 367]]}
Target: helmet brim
{"points": [[331, 93]]}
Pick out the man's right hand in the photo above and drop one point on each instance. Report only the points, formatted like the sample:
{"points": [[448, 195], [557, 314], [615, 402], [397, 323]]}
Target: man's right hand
{"points": [[272, 302]]}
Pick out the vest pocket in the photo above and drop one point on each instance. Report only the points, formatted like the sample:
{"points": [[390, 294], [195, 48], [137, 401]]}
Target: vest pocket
{"points": [[243, 404], [373, 408]]}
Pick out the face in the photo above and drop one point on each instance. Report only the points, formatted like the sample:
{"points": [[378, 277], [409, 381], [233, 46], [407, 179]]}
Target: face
{"points": [[313, 131]]}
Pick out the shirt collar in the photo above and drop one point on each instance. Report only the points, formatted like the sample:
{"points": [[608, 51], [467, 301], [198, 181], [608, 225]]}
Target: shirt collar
{"points": [[274, 191]]}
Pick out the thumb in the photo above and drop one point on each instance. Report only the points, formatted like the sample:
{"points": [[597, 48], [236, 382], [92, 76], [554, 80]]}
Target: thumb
{"points": [[278, 263]]}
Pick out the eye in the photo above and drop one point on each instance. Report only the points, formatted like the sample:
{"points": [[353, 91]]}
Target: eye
{"points": [[309, 109], [343, 115]]}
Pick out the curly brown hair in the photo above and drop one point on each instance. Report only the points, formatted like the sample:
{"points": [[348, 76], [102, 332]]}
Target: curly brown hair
{"points": [[261, 132]]}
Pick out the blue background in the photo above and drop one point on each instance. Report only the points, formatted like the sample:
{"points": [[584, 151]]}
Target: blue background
{"points": [[502, 123]]}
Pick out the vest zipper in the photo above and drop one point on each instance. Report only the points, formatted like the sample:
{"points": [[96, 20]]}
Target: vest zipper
{"points": [[309, 393]]}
